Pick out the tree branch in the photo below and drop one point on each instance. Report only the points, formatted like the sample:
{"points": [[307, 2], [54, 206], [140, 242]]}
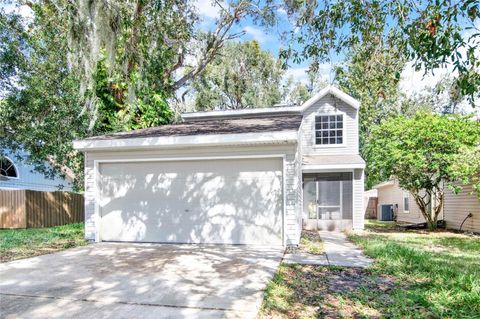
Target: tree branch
{"points": [[220, 36]]}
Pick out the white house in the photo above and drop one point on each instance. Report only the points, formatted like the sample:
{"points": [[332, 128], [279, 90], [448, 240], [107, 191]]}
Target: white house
{"points": [[251, 176], [16, 174]]}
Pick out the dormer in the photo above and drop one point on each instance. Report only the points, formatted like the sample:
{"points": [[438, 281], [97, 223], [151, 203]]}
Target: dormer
{"points": [[330, 123]]}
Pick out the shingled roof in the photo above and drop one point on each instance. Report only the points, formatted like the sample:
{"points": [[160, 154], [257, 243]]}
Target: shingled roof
{"points": [[252, 124]]}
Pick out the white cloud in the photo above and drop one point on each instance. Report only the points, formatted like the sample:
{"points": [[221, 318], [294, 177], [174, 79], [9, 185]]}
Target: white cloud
{"points": [[412, 81], [282, 11], [255, 33], [300, 73], [207, 8], [23, 10]]}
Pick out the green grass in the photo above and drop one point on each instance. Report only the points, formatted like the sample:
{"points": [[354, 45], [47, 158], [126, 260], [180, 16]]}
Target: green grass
{"points": [[311, 243], [378, 225], [439, 272], [416, 274], [23, 243]]}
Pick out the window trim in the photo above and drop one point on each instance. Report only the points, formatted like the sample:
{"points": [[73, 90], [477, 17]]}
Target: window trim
{"points": [[344, 130], [407, 196], [14, 167]]}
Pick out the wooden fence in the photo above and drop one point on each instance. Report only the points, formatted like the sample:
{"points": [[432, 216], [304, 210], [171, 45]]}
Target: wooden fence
{"points": [[31, 209], [371, 208]]}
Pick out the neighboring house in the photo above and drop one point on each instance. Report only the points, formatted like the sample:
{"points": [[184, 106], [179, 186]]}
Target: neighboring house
{"points": [[457, 206], [15, 174], [394, 200], [251, 176]]}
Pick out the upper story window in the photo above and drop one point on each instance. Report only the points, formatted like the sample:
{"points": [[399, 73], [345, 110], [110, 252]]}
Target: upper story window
{"points": [[329, 129], [7, 168]]}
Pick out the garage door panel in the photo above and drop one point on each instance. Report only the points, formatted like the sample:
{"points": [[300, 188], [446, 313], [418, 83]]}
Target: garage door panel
{"points": [[221, 201]]}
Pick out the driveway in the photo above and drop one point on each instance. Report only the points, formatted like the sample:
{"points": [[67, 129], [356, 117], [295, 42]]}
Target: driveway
{"points": [[118, 280]]}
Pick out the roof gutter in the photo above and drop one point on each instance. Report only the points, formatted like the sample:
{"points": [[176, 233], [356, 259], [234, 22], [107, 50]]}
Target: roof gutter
{"points": [[312, 168], [282, 137]]}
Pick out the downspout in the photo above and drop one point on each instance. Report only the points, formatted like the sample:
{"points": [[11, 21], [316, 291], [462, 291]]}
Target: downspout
{"points": [[468, 216]]}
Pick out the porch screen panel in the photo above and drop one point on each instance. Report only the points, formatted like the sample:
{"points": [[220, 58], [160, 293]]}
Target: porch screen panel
{"points": [[329, 199], [334, 195], [310, 199]]}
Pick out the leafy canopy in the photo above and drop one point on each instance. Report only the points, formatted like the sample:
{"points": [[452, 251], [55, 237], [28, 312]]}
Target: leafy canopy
{"points": [[432, 34], [241, 76], [39, 109], [426, 153]]}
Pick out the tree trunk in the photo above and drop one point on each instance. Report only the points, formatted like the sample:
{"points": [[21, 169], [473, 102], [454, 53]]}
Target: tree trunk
{"points": [[425, 209], [430, 209]]}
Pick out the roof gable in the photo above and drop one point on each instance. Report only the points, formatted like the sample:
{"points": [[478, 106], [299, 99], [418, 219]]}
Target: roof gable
{"points": [[193, 116], [335, 92]]}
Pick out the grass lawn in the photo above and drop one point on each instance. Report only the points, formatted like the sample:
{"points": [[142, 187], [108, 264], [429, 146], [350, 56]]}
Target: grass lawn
{"points": [[416, 274], [23, 243]]}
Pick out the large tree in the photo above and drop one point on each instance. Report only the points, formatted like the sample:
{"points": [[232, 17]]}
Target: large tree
{"points": [[80, 68], [426, 153], [432, 34], [241, 76], [149, 45], [39, 110], [370, 74]]}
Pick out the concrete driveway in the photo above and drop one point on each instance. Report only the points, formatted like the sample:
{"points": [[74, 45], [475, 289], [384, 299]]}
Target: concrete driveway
{"points": [[113, 280]]}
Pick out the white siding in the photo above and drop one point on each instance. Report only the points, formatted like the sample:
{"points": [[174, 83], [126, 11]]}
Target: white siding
{"points": [[89, 195], [291, 177], [28, 178], [329, 104], [358, 188], [457, 207], [332, 105]]}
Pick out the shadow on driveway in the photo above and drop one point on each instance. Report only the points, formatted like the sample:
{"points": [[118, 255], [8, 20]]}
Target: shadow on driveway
{"points": [[119, 280]]}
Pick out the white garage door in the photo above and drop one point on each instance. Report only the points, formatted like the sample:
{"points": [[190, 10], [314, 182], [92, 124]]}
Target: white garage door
{"points": [[234, 201]]}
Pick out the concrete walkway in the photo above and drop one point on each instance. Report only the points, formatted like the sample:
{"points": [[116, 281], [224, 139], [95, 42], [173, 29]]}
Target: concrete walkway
{"points": [[339, 251]]}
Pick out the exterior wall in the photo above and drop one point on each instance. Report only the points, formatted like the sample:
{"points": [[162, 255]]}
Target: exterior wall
{"points": [[291, 177], [358, 189], [329, 104], [457, 207], [299, 191], [28, 178], [393, 195]]}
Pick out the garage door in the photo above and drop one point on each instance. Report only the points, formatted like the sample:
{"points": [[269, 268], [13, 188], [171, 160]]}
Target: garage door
{"points": [[235, 201]]}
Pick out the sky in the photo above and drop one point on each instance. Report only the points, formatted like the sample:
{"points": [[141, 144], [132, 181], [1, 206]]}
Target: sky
{"points": [[411, 81]]}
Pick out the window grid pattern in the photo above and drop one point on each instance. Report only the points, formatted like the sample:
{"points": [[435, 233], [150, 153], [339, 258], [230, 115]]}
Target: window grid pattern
{"points": [[7, 169], [329, 129]]}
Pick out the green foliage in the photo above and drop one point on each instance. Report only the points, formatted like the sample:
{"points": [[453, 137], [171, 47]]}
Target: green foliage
{"points": [[370, 75], [241, 76], [24, 243], [426, 152], [297, 92], [42, 109], [39, 112], [431, 33], [119, 112]]}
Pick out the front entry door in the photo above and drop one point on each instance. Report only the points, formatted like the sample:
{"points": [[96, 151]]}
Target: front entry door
{"points": [[329, 200]]}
